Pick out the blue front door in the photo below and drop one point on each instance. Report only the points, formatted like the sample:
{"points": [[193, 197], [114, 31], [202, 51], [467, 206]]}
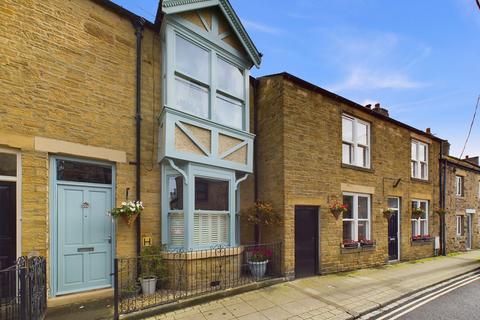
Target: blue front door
{"points": [[84, 236]]}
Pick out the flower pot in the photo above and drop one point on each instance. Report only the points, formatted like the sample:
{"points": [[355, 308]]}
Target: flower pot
{"points": [[129, 220], [149, 285], [258, 269], [336, 213]]}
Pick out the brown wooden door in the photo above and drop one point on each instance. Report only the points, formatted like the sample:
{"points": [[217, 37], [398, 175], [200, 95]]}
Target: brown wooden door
{"points": [[306, 241], [8, 228]]}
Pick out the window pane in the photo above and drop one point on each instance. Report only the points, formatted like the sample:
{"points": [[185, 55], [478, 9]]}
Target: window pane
{"points": [[8, 164], [175, 193], [229, 113], [211, 195], [192, 60], [176, 229], [83, 172], [347, 153], [191, 98], [393, 203], [414, 151], [362, 156], [230, 79], [347, 230], [362, 133], [423, 170], [347, 130], [362, 207], [414, 227], [423, 227], [348, 201], [421, 152], [423, 206], [362, 230], [414, 169]]}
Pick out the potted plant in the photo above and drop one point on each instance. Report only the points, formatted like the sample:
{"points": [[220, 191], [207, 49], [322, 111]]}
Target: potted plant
{"points": [[337, 208], [152, 269], [367, 243], [261, 214], [417, 213], [349, 244], [441, 212], [388, 213], [258, 260], [129, 211]]}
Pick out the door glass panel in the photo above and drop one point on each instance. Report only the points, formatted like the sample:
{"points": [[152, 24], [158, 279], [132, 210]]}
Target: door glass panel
{"points": [[362, 207], [83, 172], [348, 201], [393, 203], [8, 164]]}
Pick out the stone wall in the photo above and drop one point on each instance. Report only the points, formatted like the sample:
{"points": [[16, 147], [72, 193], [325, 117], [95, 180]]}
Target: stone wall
{"points": [[68, 73], [299, 133]]}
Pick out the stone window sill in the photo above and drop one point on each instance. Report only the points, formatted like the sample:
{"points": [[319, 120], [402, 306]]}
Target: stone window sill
{"points": [[422, 242], [420, 180], [358, 249], [349, 166]]}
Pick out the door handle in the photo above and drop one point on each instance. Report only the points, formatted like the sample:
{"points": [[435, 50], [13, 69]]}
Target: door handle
{"points": [[85, 205], [109, 239]]}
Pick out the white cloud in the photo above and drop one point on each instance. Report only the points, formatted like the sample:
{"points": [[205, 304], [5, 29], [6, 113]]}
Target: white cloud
{"points": [[257, 26], [373, 60], [361, 78]]}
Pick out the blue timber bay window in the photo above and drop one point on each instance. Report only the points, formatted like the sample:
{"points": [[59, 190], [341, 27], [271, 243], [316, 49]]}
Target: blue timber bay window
{"points": [[205, 146]]}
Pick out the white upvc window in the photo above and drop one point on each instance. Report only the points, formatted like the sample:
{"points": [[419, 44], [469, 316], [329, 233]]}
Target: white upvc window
{"points": [[459, 225], [204, 82], [419, 160], [420, 225], [355, 142], [459, 186], [356, 221]]}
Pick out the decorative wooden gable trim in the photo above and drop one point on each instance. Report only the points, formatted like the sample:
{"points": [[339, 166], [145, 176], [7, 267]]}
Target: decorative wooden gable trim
{"points": [[236, 36]]}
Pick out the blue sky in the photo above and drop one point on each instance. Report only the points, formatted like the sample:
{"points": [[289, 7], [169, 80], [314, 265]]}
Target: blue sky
{"points": [[419, 59]]}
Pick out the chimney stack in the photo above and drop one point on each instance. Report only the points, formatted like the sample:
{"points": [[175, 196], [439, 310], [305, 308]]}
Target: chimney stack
{"points": [[472, 160], [380, 110], [446, 148], [428, 130]]}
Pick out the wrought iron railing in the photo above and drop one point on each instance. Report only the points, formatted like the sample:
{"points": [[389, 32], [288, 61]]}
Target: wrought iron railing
{"points": [[185, 274], [23, 290]]}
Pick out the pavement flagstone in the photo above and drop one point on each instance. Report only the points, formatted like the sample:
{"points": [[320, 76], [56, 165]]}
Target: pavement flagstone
{"points": [[337, 296]]}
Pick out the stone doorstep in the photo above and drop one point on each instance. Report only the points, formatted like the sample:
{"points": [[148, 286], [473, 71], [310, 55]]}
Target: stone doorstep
{"points": [[406, 295], [80, 298], [190, 302]]}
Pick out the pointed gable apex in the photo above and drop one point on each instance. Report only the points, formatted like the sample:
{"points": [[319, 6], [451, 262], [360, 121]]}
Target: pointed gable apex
{"points": [[179, 6]]}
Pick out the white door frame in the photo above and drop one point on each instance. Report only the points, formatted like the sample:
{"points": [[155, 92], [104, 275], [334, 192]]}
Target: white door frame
{"points": [[398, 226], [18, 205]]}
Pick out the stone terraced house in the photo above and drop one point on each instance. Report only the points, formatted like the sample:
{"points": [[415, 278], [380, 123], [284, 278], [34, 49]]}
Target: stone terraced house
{"points": [[100, 106], [462, 193]]}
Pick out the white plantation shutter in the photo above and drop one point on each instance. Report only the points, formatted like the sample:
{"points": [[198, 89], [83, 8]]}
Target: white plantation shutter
{"points": [[210, 228], [176, 229]]}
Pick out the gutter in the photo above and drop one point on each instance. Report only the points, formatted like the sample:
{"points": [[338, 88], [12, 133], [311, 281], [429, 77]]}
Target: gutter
{"points": [[138, 25]]}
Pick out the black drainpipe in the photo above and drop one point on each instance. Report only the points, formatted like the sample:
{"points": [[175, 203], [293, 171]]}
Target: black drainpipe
{"points": [[255, 151], [443, 178], [138, 25]]}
